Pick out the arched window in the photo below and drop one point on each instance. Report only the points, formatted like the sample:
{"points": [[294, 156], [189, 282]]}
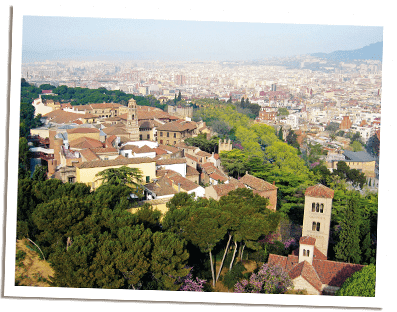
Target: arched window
{"points": [[317, 207], [308, 253], [318, 226], [321, 208], [313, 207], [304, 252], [314, 226]]}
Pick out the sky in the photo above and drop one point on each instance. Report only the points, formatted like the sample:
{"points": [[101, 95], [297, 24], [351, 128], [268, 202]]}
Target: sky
{"points": [[58, 37]]}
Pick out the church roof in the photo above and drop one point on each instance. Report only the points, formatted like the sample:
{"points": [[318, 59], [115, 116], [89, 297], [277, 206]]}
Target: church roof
{"points": [[319, 190], [256, 183]]}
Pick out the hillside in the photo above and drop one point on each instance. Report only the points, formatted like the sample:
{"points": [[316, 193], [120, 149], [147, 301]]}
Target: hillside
{"points": [[373, 51], [29, 269]]}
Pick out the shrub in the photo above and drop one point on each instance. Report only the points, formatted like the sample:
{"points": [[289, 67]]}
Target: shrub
{"points": [[361, 283], [268, 280], [234, 275]]}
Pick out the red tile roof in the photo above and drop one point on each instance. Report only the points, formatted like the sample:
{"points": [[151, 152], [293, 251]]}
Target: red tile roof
{"points": [[319, 190], [306, 270], [307, 240], [256, 183]]}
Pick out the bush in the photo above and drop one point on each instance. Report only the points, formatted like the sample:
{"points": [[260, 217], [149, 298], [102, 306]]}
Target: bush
{"points": [[361, 283], [234, 275], [268, 280]]}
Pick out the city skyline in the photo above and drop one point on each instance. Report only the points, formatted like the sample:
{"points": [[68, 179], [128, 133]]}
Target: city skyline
{"points": [[177, 40]]}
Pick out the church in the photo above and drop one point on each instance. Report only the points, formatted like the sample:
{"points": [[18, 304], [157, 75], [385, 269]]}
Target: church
{"points": [[308, 266]]}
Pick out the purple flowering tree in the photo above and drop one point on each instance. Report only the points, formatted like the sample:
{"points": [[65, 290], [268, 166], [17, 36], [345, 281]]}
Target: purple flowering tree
{"points": [[188, 283], [269, 280]]}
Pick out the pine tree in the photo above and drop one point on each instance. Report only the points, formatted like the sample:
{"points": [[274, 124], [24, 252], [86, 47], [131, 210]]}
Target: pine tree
{"points": [[348, 247]]}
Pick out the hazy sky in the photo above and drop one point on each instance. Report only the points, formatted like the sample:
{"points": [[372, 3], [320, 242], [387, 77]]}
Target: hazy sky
{"points": [[187, 40]]}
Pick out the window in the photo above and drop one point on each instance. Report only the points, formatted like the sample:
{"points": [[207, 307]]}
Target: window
{"points": [[140, 137], [161, 134], [147, 179], [314, 226], [71, 179], [308, 253], [174, 135], [313, 207], [148, 136], [317, 207], [168, 134], [318, 226], [321, 208], [174, 142], [161, 141], [304, 252]]}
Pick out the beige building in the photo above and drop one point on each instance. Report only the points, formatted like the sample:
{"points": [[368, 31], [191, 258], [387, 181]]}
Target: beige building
{"points": [[86, 171], [175, 132], [362, 161], [317, 215]]}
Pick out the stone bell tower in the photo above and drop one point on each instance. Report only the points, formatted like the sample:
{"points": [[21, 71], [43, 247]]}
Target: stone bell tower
{"points": [[317, 215], [132, 121]]}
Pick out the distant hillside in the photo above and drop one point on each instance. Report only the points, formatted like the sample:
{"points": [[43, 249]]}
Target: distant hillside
{"points": [[373, 51]]}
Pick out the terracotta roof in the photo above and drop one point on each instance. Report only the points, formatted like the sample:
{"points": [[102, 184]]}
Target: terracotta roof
{"points": [[217, 177], [115, 130], [256, 183], [190, 171], [319, 190], [85, 142], [177, 126], [114, 162], [203, 154], [335, 273], [161, 187], [104, 150], [167, 172], [160, 151], [171, 161], [168, 148], [145, 149], [307, 240], [89, 155], [191, 157], [186, 184], [306, 270], [82, 130], [60, 116], [224, 189]]}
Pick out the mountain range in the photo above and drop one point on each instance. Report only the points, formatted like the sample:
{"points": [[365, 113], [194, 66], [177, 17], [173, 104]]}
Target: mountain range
{"points": [[373, 51]]}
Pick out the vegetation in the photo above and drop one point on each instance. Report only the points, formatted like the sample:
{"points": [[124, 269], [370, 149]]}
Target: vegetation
{"points": [[361, 283]]}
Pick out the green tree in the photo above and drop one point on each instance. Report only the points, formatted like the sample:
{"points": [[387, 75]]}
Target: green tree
{"points": [[40, 173], [360, 284], [280, 134], [356, 146], [168, 260], [131, 177], [348, 247], [59, 219], [24, 160]]}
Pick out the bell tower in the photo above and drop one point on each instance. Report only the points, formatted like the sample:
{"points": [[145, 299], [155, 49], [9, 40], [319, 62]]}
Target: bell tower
{"points": [[132, 121], [317, 215]]}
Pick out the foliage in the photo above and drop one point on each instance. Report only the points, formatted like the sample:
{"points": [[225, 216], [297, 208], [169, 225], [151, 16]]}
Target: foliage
{"points": [[282, 111], [348, 247], [268, 280], [356, 146], [127, 176], [233, 276], [27, 120], [203, 143], [24, 160], [292, 139], [361, 283], [188, 283], [40, 173]]}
